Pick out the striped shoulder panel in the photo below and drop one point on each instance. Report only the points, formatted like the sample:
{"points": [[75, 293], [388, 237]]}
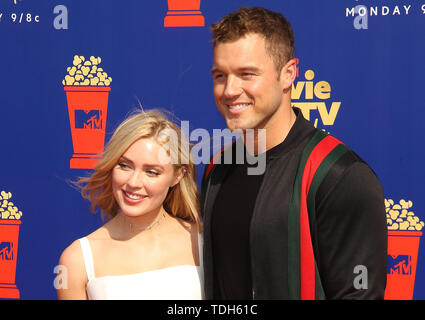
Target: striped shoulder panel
{"points": [[318, 157]]}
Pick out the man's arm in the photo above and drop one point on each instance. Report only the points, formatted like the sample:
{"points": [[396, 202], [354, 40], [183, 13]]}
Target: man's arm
{"points": [[352, 236]]}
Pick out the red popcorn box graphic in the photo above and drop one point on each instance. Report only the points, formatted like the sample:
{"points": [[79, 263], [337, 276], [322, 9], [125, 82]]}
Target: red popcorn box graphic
{"points": [[9, 236], [403, 247], [87, 109], [184, 13]]}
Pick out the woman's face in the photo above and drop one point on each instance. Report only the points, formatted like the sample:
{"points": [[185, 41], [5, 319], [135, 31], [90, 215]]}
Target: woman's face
{"points": [[142, 177]]}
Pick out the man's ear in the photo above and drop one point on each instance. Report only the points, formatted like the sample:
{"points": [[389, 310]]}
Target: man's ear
{"points": [[288, 74]]}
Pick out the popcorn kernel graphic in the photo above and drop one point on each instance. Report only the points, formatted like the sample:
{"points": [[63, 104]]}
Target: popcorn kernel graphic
{"points": [[8, 210], [400, 218], [86, 73]]}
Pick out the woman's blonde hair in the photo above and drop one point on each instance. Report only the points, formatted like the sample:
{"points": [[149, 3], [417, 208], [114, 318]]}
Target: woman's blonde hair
{"points": [[182, 199]]}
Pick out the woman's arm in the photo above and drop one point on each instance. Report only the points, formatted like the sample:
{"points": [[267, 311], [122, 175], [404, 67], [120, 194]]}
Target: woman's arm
{"points": [[74, 277]]}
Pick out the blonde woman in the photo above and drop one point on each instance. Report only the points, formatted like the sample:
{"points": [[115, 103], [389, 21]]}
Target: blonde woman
{"points": [[151, 245]]}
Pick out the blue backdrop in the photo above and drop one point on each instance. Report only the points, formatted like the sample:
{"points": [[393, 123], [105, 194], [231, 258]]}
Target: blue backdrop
{"points": [[373, 62]]}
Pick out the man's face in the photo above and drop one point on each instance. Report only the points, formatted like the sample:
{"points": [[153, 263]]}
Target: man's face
{"points": [[247, 91]]}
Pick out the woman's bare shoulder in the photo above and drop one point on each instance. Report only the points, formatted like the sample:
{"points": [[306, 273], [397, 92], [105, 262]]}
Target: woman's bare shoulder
{"points": [[74, 273], [72, 254]]}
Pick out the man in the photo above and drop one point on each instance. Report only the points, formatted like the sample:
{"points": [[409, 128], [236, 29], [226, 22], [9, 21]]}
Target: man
{"points": [[313, 226]]}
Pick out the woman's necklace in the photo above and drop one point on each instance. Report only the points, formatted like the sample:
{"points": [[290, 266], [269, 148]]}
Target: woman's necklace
{"points": [[157, 222]]}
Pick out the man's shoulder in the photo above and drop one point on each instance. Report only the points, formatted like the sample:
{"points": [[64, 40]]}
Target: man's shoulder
{"points": [[329, 159], [349, 172], [349, 158], [329, 143]]}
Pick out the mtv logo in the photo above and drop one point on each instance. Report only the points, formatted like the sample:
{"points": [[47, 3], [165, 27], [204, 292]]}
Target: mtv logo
{"points": [[401, 264], [6, 251], [91, 119]]}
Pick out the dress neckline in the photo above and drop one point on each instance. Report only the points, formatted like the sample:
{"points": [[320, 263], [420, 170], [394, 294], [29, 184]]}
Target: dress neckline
{"points": [[144, 272], [88, 255]]}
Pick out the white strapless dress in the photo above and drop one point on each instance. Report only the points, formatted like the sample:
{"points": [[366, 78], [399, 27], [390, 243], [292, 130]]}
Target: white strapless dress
{"points": [[184, 282]]}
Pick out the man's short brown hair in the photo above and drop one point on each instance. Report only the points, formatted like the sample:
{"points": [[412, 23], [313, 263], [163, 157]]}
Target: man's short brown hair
{"points": [[276, 29]]}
